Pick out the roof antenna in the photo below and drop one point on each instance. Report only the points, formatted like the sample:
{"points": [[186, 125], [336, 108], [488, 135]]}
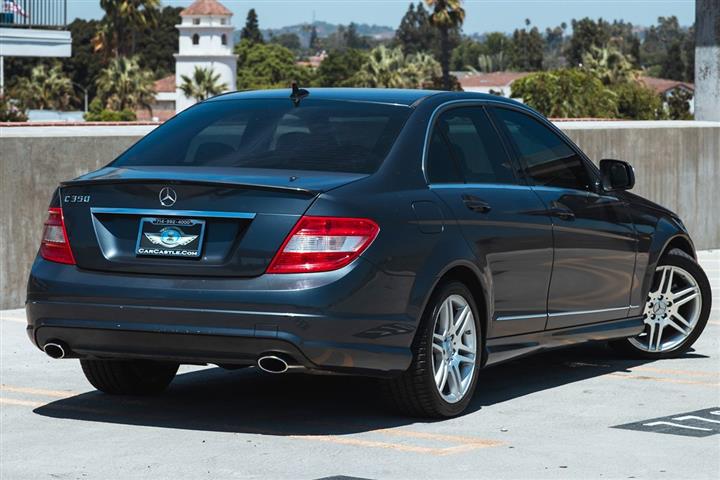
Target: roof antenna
{"points": [[297, 93]]}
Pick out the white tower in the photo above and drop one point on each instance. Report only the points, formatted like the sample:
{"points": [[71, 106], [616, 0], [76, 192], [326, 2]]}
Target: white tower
{"points": [[206, 41]]}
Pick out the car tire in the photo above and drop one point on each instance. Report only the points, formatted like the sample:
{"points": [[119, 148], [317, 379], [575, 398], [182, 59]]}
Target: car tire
{"points": [[129, 377], [415, 392], [634, 346]]}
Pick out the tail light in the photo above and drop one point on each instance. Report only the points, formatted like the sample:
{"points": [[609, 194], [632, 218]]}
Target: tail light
{"points": [[55, 246], [321, 244]]}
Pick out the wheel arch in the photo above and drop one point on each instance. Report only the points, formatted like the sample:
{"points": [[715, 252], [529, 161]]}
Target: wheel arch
{"points": [[470, 275]]}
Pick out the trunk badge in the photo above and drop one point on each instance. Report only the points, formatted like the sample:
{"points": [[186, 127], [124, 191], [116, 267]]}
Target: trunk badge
{"points": [[168, 197]]}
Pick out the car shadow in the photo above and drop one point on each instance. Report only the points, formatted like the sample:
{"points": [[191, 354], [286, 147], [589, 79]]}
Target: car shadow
{"points": [[249, 401]]}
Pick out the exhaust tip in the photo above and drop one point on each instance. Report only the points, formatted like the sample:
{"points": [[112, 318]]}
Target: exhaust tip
{"points": [[54, 350], [272, 364]]}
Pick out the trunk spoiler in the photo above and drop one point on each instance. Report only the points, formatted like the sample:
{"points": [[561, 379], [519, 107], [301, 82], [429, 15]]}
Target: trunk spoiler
{"points": [[304, 182]]}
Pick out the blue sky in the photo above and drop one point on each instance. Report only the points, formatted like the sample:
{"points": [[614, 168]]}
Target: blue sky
{"points": [[481, 15]]}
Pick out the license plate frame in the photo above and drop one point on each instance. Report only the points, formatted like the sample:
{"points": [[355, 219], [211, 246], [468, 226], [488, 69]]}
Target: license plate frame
{"points": [[168, 237]]}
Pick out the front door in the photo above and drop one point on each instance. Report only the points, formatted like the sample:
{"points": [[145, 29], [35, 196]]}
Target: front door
{"points": [[594, 238], [502, 219]]}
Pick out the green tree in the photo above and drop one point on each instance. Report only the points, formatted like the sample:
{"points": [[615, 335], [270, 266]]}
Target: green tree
{"points": [[610, 65], [288, 40], [205, 83], [637, 102], [497, 47], [117, 32], [12, 110], [679, 104], [124, 85], [97, 113], [466, 55], [391, 68], [45, 89], [156, 45], [268, 66], [526, 53], [415, 33], [566, 93], [340, 68], [251, 30], [586, 34], [673, 64], [446, 16], [314, 41]]}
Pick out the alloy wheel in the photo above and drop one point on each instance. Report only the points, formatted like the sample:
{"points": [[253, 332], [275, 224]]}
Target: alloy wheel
{"points": [[672, 310], [454, 348]]}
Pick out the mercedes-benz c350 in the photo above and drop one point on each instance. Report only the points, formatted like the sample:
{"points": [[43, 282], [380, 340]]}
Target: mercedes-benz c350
{"points": [[410, 235]]}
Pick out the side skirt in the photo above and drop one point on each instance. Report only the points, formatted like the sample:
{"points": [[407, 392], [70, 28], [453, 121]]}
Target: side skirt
{"points": [[507, 348]]}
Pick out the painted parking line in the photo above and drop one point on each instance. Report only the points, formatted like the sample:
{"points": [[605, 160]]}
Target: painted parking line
{"points": [[699, 423], [671, 371], [662, 379], [462, 443], [38, 391]]}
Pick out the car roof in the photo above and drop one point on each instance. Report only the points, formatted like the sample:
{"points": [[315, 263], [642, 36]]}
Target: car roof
{"points": [[396, 96]]}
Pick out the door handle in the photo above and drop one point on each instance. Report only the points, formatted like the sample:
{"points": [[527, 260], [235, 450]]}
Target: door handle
{"points": [[476, 204], [561, 211]]}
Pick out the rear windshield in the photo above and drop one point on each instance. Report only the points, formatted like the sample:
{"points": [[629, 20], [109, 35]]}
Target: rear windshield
{"points": [[323, 135]]}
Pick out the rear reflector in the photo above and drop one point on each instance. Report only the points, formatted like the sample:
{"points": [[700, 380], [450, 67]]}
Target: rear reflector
{"points": [[321, 244], [55, 246]]}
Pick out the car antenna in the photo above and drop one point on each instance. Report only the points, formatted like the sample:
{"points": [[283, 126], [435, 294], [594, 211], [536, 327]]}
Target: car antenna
{"points": [[297, 93]]}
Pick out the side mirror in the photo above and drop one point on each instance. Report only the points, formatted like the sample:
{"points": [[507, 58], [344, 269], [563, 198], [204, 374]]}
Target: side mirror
{"points": [[617, 175]]}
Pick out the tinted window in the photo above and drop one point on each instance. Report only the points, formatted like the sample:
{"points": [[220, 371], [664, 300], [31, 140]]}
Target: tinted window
{"points": [[317, 135], [464, 145], [549, 160]]}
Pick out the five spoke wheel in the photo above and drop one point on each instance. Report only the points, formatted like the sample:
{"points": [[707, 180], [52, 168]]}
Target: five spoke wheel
{"points": [[671, 312], [454, 347]]}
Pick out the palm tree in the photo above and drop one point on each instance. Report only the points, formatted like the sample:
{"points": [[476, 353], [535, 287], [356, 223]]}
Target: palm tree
{"points": [[124, 85], [610, 65], [447, 14], [203, 84], [123, 18], [46, 89], [390, 68]]}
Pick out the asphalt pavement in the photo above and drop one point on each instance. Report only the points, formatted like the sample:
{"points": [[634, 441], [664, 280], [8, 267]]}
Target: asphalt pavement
{"points": [[577, 413]]}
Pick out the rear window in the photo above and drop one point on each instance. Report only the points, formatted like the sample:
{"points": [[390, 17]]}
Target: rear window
{"points": [[323, 135]]}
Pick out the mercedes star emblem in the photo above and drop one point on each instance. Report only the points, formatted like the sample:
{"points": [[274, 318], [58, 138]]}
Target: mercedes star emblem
{"points": [[168, 197]]}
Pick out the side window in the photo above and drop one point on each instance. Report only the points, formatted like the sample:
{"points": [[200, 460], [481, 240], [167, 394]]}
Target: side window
{"points": [[465, 147], [548, 159]]}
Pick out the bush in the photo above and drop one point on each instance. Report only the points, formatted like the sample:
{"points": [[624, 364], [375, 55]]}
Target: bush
{"points": [[96, 113], [12, 110], [566, 93], [637, 102]]}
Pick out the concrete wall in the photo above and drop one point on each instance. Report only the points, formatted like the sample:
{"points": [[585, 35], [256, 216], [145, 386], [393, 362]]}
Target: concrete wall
{"points": [[677, 164], [707, 60]]}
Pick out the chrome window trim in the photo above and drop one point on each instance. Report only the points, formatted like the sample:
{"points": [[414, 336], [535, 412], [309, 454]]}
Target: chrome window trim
{"points": [[471, 102], [172, 213]]}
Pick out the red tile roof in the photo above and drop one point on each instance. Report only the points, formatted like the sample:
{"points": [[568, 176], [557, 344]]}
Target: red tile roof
{"points": [[166, 84], [206, 7], [663, 85], [494, 79]]}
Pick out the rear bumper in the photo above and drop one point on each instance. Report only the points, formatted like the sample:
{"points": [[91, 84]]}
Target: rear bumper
{"points": [[351, 321]]}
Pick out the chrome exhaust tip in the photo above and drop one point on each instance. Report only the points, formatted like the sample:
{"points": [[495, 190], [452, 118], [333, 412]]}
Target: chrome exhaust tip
{"points": [[54, 350], [272, 364]]}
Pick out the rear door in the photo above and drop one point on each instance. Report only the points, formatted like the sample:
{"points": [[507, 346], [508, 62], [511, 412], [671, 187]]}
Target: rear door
{"points": [[594, 238], [502, 219]]}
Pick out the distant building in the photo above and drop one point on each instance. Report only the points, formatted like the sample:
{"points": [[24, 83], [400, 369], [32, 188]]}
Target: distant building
{"points": [[165, 98], [313, 61], [666, 87], [31, 28], [497, 83], [206, 41]]}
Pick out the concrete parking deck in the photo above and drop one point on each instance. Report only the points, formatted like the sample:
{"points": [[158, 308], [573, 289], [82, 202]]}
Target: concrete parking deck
{"points": [[549, 416]]}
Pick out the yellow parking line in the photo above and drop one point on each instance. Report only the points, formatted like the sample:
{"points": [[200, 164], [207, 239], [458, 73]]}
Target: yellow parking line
{"points": [[689, 373], [476, 442], [25, 403], [38, 391], [661, 379]]}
